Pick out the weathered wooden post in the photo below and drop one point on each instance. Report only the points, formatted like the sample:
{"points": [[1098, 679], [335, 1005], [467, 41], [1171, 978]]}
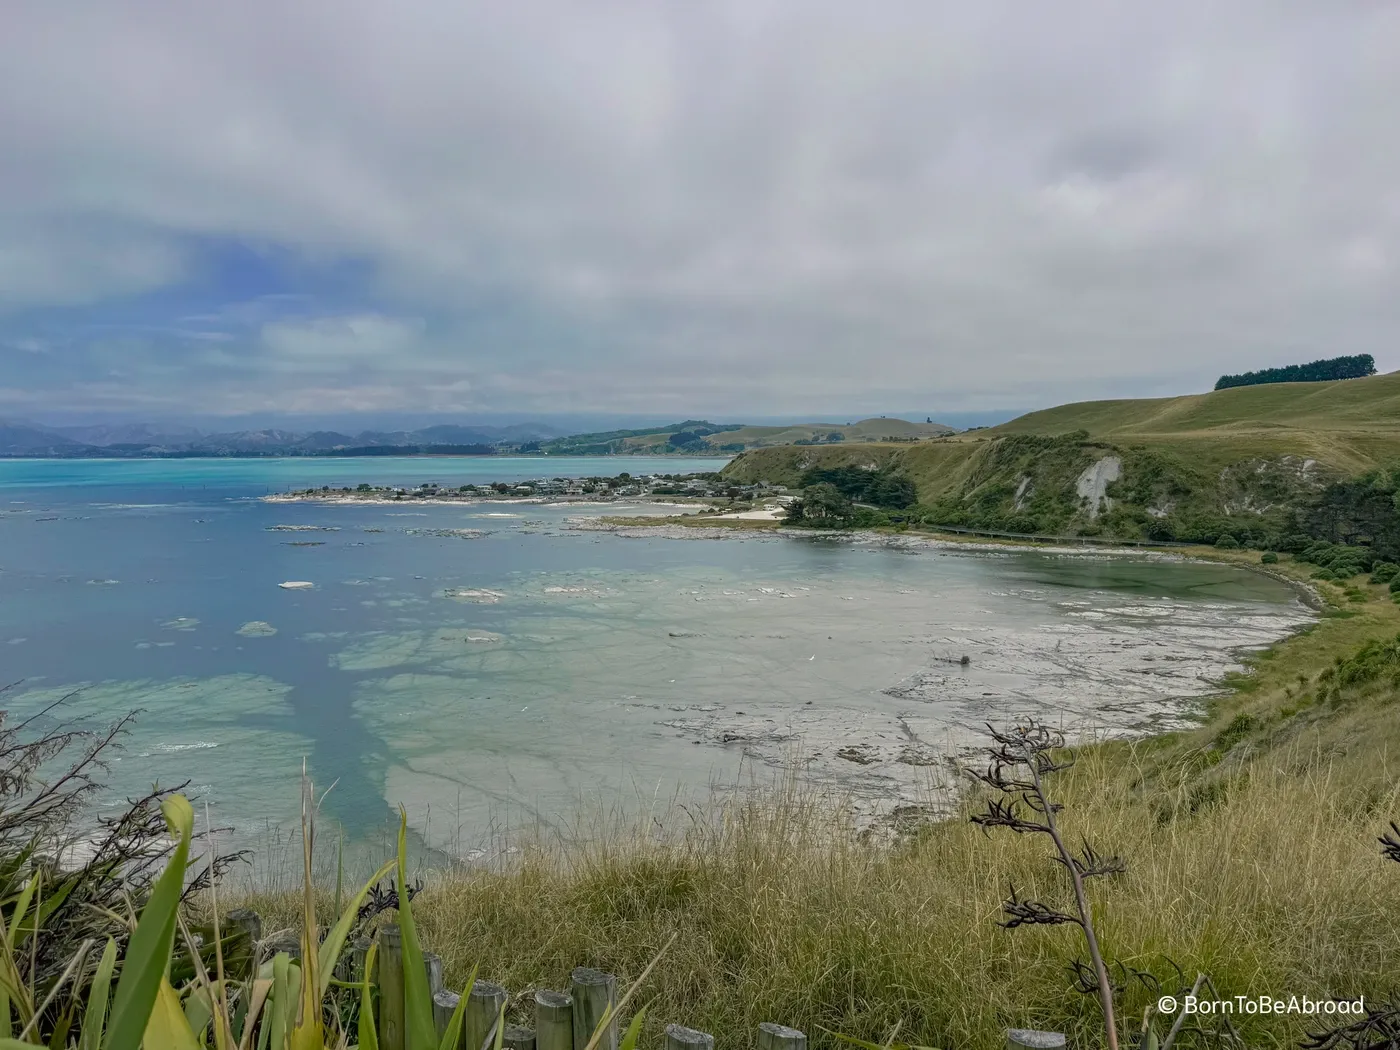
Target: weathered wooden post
{"points": [[288, 941], [247, 920], [359, 953], [479, 1018], [518, 1038], [593, 992], [389, 977], [432, 963], [444, 1006], [773, 1036], [554, 1021], [351, 964], [1022, 1038], [679, 1037]]}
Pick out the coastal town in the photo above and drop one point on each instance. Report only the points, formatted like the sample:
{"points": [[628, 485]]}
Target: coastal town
{"points": [[700, 487]]}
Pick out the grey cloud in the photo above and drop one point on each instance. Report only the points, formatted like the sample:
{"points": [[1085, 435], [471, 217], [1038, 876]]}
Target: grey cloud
{"points": [[340, 342], [732, 206]]}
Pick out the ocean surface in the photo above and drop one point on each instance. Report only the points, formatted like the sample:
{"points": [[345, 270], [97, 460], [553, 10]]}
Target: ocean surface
{"points": [[493, 666]]}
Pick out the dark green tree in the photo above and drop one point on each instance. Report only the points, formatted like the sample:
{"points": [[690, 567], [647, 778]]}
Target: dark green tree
{"points": [[822, 506], [1356, 366]]}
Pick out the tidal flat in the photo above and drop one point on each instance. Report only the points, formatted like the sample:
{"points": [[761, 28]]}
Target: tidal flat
{"points": [[491, 667]]}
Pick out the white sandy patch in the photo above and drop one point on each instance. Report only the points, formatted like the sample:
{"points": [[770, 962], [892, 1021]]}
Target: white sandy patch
{"points": [[769, 512]]}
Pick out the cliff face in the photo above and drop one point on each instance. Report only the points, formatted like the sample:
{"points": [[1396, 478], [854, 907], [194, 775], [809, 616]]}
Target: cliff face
{"points": [[1072, 485]]}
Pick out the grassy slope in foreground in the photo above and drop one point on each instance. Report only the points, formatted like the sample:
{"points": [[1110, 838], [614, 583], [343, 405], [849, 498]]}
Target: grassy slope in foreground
{"points": [[1251, 850]]}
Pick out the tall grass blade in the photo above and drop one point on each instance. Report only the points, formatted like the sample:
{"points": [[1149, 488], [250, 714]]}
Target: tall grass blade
{"points": [[166, 1028], [307, 1030], [335, 940], [21, 909], [286, 991], [52, 903], [261, 989], [339, 870], [14, 991], [199, 1008], [148, 953], [369, 1035], [634, 1031], [98, 993], [417, 998]]}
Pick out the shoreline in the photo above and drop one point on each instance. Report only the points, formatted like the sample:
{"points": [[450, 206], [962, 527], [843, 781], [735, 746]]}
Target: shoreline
{"points": [[1181, 710], [1174, 713]]}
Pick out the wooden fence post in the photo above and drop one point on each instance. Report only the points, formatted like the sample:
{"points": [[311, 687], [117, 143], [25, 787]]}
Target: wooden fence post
{"points": [[554, 1021], [390, 981], [593, 991], [1021, 1038], [432, 963], [444, 1006], [679, 1037], [518, 1038], [247, 920], [780, 1037], [479, 1018], [351, 964]]}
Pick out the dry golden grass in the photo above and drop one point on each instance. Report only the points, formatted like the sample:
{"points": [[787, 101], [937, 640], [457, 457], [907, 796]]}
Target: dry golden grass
{"points": [[1274, 885]]}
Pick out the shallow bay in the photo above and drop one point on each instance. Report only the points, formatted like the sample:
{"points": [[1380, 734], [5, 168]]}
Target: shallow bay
{"points": [[489, 666]]}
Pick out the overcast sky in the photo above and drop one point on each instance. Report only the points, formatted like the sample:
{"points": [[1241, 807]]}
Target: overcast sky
{"points": [[764, 207]]}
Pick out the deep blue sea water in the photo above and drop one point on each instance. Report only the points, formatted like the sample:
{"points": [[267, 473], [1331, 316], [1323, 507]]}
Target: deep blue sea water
{"points": [[491, 665]]}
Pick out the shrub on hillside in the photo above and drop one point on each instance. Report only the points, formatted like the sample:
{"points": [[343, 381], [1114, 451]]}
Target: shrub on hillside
{"points": [[1268, 558], [1375, 661], [1342, 561], [822, 506], [1395, 585], [1227, 542], [1160, 530], [883, 487], [1384, 571], [1200, 528], [1027, 524]]}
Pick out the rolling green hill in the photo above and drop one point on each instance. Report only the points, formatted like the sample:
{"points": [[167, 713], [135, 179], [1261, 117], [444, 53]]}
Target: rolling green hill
{"points": [[700, 437], [1235, 461], [1350, 426]]}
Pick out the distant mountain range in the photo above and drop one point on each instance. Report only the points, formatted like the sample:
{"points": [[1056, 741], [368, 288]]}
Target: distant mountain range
{"points": [[143, 439], [692, 437]]}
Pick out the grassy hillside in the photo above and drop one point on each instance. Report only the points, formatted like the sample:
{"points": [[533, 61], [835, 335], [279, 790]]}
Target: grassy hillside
{"points": [[699, 437], [865, 430], [1235, 461], [1350, 426]]}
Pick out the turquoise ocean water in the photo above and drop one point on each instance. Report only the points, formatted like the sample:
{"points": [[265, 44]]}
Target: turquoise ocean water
{"points": [[491, 665]]}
